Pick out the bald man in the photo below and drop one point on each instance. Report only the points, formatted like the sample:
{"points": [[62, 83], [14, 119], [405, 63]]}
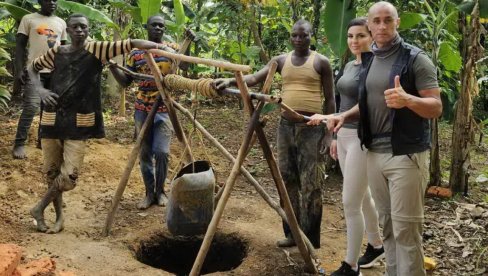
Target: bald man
{"points": [[398, 94], [307, 84]]}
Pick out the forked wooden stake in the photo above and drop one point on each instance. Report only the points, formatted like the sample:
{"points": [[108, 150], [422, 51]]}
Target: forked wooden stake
{"points": [[266, 88], [135, 151], [244, 173], [253, 126], [212, 228], [210, 62], [180, 134], [128, 168], [280, 185]]}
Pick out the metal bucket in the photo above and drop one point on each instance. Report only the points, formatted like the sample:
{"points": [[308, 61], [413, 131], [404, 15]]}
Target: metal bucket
{"points": [[191, 200]]}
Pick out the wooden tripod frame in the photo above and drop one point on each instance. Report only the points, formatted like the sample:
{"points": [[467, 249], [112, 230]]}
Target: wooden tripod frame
{"points": [[254, 129]]}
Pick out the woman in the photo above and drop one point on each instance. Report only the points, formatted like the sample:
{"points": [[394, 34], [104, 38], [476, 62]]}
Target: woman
{"points": [[359, 208]]}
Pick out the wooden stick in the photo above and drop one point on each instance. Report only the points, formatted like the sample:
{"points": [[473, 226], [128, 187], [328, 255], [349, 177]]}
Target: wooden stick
{"points": [[184, 46], [269, 77], [275, 172], [266, 87], [210, 62], [226, 91], [128, 168], [212, 228], [229, 91], [180, 134], [292, 221], [244, 172]]}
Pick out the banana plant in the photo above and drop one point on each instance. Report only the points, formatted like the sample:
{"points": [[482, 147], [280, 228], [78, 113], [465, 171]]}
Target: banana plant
{"points": [[15, 11], [337, 15], [176, 23], [441, 16], [148, 8], [91, 13], [4, 58]]}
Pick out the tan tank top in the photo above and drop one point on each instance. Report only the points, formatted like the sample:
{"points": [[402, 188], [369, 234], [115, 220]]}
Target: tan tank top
{"points": [[302, 88]]}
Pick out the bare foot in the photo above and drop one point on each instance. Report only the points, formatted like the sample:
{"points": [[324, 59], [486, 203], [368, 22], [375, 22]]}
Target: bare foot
{"points": [[18, 152], [162, 200], [58, 226], [145, 202], [39, 217]]}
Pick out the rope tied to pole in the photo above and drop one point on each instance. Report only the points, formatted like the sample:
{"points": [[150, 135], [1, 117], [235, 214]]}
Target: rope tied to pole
{"points": [[202, 86]]}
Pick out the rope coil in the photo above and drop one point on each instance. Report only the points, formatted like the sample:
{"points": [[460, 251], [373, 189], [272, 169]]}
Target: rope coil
{"points": [[202, 86]]}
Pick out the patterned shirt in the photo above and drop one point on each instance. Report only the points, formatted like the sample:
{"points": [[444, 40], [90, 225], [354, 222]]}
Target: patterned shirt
{"points": [[103, 50], [147, 91], [76, 79]]}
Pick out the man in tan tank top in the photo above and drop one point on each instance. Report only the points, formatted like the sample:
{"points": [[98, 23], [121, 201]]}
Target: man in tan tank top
{"points": [[307, 83]]}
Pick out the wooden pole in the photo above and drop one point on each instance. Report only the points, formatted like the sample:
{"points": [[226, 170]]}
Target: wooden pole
{"points": [[183, 48], [227, 91], [266, 87], [265, 91], [275, 172], [210, 62], [128, 168], [212, 228], [180, 134], [244, 172], [133, 156]]}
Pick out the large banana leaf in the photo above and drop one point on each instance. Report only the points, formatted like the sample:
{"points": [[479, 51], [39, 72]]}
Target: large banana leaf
{"points": [[91, 13], [449, 57], [410, 19], [179, 12], [337, 15], [149, 8], [135, 12], [16, 11], [468, 6], [4, 13], [188, 11]]}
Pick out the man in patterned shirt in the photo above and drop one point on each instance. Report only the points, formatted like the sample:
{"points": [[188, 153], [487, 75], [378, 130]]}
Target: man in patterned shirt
{"points": [[72, 112], [157, 141]]}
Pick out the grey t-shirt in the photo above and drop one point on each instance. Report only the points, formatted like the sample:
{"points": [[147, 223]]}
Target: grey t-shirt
{"points": [[378, 81], [347, 86]]}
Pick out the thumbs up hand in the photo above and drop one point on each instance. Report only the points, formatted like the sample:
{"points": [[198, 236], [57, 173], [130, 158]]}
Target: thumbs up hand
{"points": [[397, 97]]}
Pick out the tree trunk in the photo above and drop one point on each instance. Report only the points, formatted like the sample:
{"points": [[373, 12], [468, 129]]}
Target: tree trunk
{"points": [[463, 126], [435, 161], [113, 87], [316, 19], [257, 37]]}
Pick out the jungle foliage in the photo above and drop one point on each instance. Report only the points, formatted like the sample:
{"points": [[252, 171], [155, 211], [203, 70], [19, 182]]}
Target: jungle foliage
{"points": [[252, 31]]}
